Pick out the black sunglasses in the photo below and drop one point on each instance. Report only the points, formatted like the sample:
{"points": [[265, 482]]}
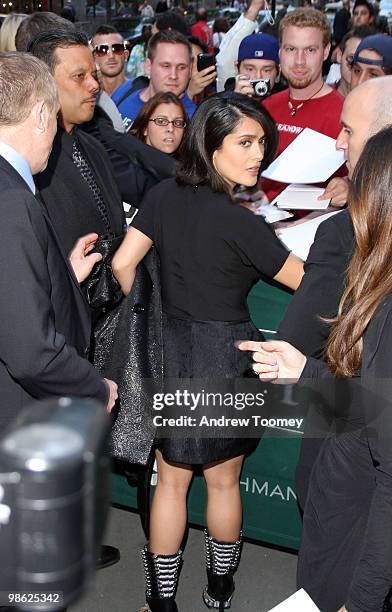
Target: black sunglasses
{"points": [[117, 49]]}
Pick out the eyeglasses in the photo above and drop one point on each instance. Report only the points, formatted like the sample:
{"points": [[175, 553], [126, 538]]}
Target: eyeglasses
{"points": [[164, 121], [102, 50]]}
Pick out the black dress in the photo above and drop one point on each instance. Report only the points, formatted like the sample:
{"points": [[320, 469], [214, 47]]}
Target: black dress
{"points": [[211, 253]]}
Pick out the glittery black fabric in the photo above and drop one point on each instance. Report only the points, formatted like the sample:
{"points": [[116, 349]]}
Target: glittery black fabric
{"points": [[101, 288], [127, 348], [205, 350]]}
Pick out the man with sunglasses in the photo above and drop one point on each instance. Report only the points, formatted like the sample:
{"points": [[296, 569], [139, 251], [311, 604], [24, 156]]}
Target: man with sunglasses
{"points": [[110, 56]]}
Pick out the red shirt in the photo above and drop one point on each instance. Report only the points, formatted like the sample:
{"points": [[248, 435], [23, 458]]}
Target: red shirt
{"points": [[202, 30], [320, 114]]}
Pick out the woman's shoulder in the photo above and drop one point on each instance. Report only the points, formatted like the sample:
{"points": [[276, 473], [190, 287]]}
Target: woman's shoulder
{"points": [[168, 185]]}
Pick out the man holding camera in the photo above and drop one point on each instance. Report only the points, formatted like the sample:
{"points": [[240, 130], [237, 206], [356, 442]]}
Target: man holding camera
{"points": [[258, 67]]}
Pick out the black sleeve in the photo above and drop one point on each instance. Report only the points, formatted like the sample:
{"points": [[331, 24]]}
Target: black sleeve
{"points": [[136, 166], [321, 287], [145, 220], [373, 574], [257, 244], [155, 163], [340, 25]]}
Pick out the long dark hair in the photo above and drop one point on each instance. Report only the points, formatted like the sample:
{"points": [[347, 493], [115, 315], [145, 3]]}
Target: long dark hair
{"points": [[216, 118], [140, 124], [369, 276]]}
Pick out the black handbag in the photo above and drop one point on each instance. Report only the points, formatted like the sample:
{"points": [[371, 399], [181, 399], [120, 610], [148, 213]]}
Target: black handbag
{"points": [[101, 288]]}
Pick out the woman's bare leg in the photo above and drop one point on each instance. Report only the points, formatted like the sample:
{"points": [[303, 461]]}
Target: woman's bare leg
{"points": [[168, 511], [224, 508]]}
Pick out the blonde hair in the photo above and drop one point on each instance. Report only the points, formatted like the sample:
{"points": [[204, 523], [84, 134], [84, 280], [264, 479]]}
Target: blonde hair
{"points": [[8, 31], [24, 80], [306, 18]]}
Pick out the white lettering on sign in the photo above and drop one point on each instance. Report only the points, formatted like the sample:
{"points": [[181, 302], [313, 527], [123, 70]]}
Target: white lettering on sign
{"points": [[292, 129], [251, 485]]}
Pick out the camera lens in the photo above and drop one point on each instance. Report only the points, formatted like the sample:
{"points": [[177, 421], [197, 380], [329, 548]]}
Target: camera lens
{"points": [[261, 88]]}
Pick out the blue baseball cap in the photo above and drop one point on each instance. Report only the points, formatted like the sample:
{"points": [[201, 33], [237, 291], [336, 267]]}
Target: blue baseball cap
{"points": [[259, 46], [380, 43]]}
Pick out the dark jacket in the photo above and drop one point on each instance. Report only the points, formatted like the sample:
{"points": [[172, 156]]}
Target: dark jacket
{"points": [[346, 542], [317, 296], [321, 287], [45, 322], [126, 336], [67, 197]]}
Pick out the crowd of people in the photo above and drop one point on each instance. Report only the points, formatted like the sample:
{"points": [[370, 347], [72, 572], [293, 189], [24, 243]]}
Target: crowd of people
{"points": [[128, 257]]}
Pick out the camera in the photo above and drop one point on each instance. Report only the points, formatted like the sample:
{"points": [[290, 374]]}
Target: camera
{"points": [[261, 87]]}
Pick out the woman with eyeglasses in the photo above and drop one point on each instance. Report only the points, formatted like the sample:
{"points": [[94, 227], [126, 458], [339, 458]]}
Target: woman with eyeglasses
{"points": [[161, 123], [211, 253]]}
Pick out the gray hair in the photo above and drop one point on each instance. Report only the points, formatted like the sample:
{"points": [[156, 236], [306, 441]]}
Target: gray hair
{"points": [[24, 80]]}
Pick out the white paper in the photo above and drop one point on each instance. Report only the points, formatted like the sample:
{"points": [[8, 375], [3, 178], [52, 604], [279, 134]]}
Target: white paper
{"points": [[299, 602], [301, 197], [310, 158], [299, 238], [130, 212], [271, 214]]}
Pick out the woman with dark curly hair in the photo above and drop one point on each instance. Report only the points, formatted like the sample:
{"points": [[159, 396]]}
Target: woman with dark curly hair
{"points": [[211, 253]]}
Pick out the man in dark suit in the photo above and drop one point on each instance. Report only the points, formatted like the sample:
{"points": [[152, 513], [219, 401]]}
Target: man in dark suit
{"points": [[45, 324], [366, 111], [78, 187], [80, 191]]}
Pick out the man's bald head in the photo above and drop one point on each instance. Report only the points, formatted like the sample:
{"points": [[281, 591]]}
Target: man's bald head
{"points": [[366, 111], [379, 94]]}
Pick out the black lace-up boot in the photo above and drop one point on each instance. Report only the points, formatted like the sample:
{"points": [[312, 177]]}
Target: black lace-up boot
{"points": [[222, 559], [162, 572]]}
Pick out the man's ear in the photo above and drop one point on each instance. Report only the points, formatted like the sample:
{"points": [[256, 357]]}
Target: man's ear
{"points": [[147, 67], [326, 51], [39, 115], [339, 55]]}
